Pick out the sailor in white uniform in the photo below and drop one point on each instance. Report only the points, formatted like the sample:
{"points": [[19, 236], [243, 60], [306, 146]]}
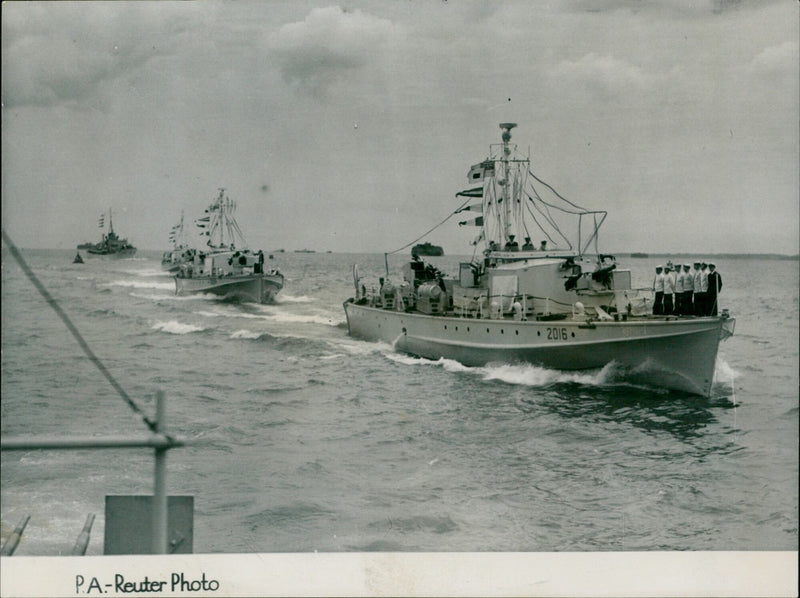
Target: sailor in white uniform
{"points": [[678, 291], [688, 291], [669, 291], [696, 288]]}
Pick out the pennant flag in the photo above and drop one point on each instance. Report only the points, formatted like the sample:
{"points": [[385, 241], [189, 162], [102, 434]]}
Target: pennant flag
{"points": [[476, 207], [478, 172], [478, 239], [474, 192], [101, 221], [475, 222]]}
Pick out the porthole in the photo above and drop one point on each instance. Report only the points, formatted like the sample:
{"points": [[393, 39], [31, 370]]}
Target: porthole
{"points": [[487, 331], [573, 335], [516, 332], [538, 333]]}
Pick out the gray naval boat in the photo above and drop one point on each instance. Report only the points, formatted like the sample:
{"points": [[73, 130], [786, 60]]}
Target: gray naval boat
{"points": [[560, 307], [226, 267]]}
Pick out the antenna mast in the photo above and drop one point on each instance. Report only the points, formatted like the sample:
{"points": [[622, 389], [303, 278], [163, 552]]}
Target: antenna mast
{"points": [[506, 174]]}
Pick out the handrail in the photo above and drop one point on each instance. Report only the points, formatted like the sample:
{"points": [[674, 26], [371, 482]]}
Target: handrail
{"points": [[159, 441]]}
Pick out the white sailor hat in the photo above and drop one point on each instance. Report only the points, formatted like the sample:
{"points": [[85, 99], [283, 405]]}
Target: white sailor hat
{"points": [[660, 266]]}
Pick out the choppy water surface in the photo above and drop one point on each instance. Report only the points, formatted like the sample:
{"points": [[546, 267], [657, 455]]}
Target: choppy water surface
{"points": [[306, 439]]}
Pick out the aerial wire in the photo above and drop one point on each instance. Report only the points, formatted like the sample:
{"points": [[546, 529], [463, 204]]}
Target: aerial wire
{"points": [[78, 337]]}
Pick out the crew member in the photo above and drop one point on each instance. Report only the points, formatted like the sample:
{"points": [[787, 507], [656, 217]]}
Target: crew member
{"points": [[669, 290], [658, 288], [714, 287], [704, 289], [512, 245], [688, 290], [678, 291], [697, 296]]}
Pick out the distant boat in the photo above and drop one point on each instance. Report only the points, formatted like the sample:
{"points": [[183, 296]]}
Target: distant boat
{"points": [[304, 251], [227, 267], [639, 255], [426, 249], [78, 259], [561, 308], [86, 245], [110, 245]]}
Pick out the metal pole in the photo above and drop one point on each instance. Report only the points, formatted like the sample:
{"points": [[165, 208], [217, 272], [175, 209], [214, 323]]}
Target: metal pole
{"points": [[156, 441], [160, 483]]}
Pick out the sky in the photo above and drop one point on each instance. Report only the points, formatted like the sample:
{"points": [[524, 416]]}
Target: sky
{"points": [[349, 127]]}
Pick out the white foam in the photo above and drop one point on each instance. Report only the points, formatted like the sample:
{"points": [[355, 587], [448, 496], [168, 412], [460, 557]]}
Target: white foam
{"points": [[174, 327], [356, 347], [138, 284], [246, 334], [291, 318], [145, 273], [523, 375], [282, 297], [723, 372], [531, 375]]}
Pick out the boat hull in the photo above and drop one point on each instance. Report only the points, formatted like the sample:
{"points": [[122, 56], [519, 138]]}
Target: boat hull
{"points": [[677, 354], [256, 288], [122, 253]]}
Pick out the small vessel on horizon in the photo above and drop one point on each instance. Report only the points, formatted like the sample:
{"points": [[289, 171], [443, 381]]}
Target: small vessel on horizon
{"points": [[559, 307], [427, 249], [110, 245], [227, 268]]}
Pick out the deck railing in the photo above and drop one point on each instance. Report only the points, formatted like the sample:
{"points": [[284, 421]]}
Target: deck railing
{"points": [[158, 440]]}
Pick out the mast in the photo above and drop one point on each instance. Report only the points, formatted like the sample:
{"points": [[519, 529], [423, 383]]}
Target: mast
{"points": [[221, 201], [219, 219], [506, 176]]}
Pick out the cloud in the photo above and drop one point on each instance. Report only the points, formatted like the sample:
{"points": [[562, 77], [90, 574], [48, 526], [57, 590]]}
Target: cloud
{"points": [[780, 59], [315, 53], [605, 76], [63, 52]]}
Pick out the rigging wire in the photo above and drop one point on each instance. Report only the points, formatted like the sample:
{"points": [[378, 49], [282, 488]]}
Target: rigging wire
{"points": [[81, 341], [558, 195], [422, 236]]}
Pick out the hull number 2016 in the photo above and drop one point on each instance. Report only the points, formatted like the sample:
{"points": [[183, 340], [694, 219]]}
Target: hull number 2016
{"points": [[557, 334]]}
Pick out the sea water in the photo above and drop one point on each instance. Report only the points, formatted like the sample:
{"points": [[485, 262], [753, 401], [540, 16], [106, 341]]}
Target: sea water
{"points": [[304, 439]]}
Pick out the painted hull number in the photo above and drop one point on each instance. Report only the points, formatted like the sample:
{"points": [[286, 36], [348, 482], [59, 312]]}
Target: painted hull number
{"points": [[557, 334]]}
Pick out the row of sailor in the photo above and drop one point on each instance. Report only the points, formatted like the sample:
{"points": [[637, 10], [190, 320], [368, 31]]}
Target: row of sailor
{"points": [[688, 291]]}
